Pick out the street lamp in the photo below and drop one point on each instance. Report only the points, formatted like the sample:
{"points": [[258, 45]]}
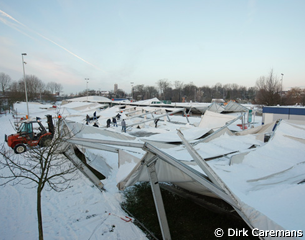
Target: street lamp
{"points": [[26, 93], [131, 89], [282, 87], [87, 79]]}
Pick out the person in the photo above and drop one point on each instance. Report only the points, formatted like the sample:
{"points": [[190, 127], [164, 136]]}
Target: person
{"points": [[108, 122], [94, 115], [156, 122], [114, 122], [123, 123], [118, 116], [87, 119], [95, 124]]}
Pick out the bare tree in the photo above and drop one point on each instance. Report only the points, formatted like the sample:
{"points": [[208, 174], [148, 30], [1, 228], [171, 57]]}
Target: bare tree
{"points": [[139, 92], [189, 91], [178, 87], [58, 88], [42, 168], [4, 81], [150, 92], [120, 93], [268, 88], [51, 86], [34, 86], [294, 96], [163, 84]]}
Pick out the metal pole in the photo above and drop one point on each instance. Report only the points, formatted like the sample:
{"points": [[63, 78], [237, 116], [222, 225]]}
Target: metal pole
{"points": [[87, 79], [25, 89], [131, 90], [282, 88], [155, 188]]}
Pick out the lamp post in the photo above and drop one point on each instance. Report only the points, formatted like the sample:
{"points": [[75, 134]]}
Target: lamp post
{"points": [[282, 88], [131, 90], [87, 79], [26, 93]]}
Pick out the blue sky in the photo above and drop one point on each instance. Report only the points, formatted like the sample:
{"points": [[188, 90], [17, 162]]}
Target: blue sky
{"points": [[204, 42]]}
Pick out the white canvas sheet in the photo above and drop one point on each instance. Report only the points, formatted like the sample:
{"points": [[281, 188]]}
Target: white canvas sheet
{"points": [[170, 137], [132, 171], [212, 120]]}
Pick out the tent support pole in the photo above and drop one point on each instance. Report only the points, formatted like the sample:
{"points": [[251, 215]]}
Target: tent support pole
{"points": [[168, 117], [155, 188], [186, 116]]}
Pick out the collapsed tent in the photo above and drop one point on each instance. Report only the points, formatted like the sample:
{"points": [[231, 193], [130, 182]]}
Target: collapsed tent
{"points": [[214, 120], [215, 107], [266, 187]]}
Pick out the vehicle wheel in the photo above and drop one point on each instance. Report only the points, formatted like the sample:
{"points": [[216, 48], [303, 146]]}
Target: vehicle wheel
{"points": [[46, 142], [20, 148]]}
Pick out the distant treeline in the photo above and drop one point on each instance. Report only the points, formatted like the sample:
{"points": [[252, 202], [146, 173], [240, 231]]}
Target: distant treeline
{"points": [[267, 91]]}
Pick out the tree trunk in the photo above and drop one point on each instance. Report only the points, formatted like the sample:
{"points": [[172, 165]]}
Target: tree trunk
{"points": [[39, 215]]}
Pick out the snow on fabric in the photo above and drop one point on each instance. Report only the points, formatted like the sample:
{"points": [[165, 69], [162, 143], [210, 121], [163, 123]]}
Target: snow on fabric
{"points": [[267, 182], [214, 120]]}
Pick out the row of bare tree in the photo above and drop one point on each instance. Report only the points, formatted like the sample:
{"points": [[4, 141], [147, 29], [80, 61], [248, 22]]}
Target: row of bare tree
{"points": [[267, 91], [36, 89]]}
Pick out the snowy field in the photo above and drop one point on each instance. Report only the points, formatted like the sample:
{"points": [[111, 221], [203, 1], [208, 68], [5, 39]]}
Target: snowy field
{"points": [[267, 181], [81, 212]]}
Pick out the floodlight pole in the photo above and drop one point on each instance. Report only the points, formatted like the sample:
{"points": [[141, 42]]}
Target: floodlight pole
{"points": [[132, 90], [25, 89], [87, 79], [282, 88]]}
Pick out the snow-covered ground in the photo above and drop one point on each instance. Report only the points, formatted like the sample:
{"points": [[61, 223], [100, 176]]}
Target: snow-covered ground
{"points": [[267, 178], [80, 212]]}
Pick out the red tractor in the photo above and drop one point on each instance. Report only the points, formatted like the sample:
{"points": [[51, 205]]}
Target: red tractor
{"points": [[31, 133]]}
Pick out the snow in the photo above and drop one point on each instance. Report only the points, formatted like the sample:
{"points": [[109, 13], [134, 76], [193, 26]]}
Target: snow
{"points": [[266, 180], [80, 212], [90, 99]]}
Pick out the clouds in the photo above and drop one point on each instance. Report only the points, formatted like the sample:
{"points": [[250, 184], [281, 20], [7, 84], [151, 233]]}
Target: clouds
{"points": [[20, 27], [143, 41]]}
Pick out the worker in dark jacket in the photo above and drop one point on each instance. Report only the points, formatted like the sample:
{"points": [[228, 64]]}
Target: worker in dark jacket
{"points": [[156, 122], [114, 122], [108, 122], [87, 119]]}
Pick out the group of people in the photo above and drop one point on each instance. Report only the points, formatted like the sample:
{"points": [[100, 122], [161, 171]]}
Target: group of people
{"points": [[88, 119], [108, 122], [114, 121]]}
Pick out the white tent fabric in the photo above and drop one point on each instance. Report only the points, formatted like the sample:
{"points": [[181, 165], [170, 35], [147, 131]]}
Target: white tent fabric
{"points": [[90, 99], [170, 137], [217, 134], [215, 107], [259, 131], [81, 130], [235, 107], [268, 181], [97, 162], [84, 106], [212, 120], [132, 171]]}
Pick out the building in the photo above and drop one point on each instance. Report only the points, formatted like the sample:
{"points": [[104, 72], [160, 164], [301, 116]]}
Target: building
{"points": [[271, 114], [115, 87]]}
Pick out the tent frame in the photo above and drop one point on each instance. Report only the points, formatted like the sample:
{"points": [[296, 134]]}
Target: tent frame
{"points": [[150, 159]]}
